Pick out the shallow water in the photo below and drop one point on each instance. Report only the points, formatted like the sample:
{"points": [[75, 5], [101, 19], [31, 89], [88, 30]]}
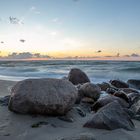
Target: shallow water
{"points": [[97, 71]]}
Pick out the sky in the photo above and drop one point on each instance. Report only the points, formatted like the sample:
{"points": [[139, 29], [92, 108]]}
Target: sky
{"points": [[69, 28]]}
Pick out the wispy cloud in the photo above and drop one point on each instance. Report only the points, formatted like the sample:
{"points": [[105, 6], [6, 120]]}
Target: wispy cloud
{"points": [[56, 20], [24, 55], [14, 20], [34, 10]]}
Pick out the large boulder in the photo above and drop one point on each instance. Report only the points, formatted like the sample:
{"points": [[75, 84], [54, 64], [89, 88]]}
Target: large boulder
{"points": [[90, 90], [43, 96], [110, 117], [77, 76], [119, 84], [134, 83], [106, 100]]}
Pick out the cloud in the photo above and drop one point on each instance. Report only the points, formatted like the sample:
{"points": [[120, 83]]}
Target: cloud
{"points": [[56, 20], [34, 10], [25, 55], [53, 33], [14, 20], [126, 55], [135, 55]]}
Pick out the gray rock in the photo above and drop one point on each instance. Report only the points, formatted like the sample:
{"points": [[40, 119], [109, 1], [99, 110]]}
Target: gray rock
{"points": [[87, 100], [122, 95], [82, 136], [104, 86], [136, 108], [119, 84], [133, 97], [129, 90], [77, 76], [111, 90], [134, 83], [110, 117], [90, 90], [106, 100], [43, 96]]}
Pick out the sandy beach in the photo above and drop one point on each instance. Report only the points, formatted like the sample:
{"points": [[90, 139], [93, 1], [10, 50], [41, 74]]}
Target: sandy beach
{"points": [[19, 127]]}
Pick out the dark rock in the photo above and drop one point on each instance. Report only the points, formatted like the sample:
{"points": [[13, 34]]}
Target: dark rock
{"points": [[129, 112], [87, 100], [110, 117], [66, 119], [43, 96], [77, 76], [106, 100], [80, 112], [82, 136], [134, 83], [4, 100], [111, 90], [119, 84], [38, 124], [133, 97], [136, 108], [122, 95], [90, 90], [8, 134], [129, 90], [104, 86]]}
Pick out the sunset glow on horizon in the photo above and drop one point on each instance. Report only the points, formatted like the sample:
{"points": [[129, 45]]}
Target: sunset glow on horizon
{"points": [[67, 28]]}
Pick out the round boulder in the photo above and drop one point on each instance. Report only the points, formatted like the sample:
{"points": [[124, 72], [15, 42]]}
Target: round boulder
{"points": [[90, 90], [43, 96], [104, 86], [122, 95], [119, 84], [77, 76], [134, 83]]}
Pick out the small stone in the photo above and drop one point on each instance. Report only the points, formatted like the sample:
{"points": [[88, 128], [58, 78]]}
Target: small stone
{"points": [[66, 119], [80, 112], [38, 124], [87, 100]]}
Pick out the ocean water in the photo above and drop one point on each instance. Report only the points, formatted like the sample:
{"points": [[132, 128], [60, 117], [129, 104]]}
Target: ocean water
{"points": [[98, 71]]}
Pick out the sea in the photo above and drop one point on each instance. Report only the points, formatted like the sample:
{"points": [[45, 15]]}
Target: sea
{"points": [[97, 71]]}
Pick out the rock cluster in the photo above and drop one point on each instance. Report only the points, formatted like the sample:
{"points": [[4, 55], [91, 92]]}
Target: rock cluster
{"points": [[56, 97]]}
